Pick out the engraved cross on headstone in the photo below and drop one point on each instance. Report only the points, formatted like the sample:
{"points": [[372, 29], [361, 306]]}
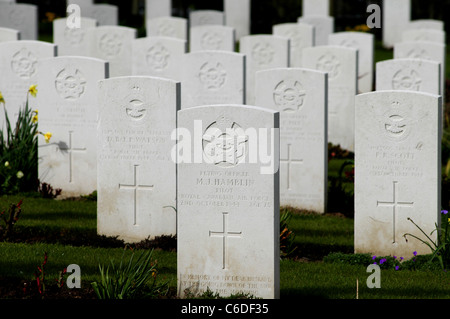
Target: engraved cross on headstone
{"points": [[135, 187], [394, 204], [70, 149], [290, 161], [225, 234]]}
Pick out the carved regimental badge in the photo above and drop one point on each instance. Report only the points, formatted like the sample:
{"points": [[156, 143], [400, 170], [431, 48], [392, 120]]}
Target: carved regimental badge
{"points": [[70, 83], [289, 96], [212, 75], [225, 143], [24, 63]]}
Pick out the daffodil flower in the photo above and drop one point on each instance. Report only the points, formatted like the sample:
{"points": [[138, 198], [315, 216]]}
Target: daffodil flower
{"points": [[2, 100], [32, 90], [47, 137]]}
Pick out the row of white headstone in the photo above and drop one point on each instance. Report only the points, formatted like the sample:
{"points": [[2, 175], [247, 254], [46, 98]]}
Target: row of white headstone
{"points": [[119, 135]]}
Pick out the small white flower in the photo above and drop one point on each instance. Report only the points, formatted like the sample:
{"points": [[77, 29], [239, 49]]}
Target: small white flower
{"points": [[19, 174], [6, 164]]}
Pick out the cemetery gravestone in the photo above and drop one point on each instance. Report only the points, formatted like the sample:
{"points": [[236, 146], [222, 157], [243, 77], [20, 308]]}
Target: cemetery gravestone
{"points": [[72, 41], [206, 17], [105, 14], [213, 77], [67, 108], [300, 96], [316, 7], [397, 171], [341, 64], [136, 174], [426, 24], [426, 51], [81, 2], [237, 16], [409, 74], [396, 18], [158, 8], [427, 35], [364, 43], [212, 37], [262, 52], [18, 70], [323, 27], [7, 34], [158, 56], [173, 27], [113, 44], [228, 203], [301, 36], [22, 17]]}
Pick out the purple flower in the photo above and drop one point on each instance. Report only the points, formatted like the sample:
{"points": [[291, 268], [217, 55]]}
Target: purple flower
{"points": [[397, 267], [374, 257], [401, 258], [445, 212], [415, 253], [395, 257], [382, 261]]}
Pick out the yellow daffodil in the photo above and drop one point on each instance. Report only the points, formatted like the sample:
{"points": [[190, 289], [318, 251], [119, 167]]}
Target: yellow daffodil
{"points": [[35, 118], [32, 90], [6, 164], [19, 174], [47, 137], [2, 100]]}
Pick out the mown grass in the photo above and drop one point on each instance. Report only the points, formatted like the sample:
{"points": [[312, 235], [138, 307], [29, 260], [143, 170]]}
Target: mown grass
{"points": [[310, 276]]}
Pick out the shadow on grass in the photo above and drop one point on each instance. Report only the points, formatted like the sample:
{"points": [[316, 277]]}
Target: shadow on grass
{"points": [[84, 237], [316, 252], [67, 216]]}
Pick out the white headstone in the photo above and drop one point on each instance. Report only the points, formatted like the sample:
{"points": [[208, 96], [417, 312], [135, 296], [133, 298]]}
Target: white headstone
{"points": [[22, 17], [409, 75], [263, 52], [206, 17], [426, 51], [67, 104], [396, 16], [212, 37], [323, 27], [213, 77], [237, 16], [341, 64], [105, 14], [300, 95], [173, 27], [364, 43], [136, 174], [301, 36], [158, 57], [316, 7], [428, 35], [8, 34], [18, 70], [158, 8], [228, 204], [113, 44], [72, 41], [426, 24], [80, 2], [397, 171]]}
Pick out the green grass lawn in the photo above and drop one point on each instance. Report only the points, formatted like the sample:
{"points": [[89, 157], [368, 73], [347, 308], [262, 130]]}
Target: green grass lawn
{"points": [[309, 275]]}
